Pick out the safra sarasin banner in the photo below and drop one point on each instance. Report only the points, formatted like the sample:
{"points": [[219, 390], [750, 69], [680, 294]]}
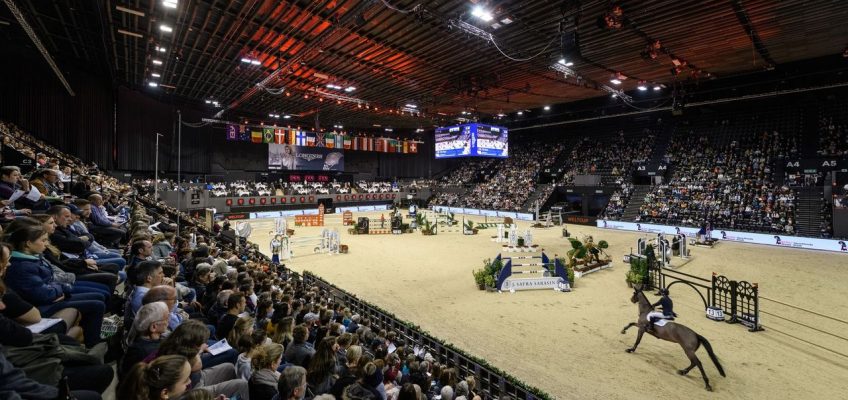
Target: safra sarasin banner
{"points": [[289, 157]]}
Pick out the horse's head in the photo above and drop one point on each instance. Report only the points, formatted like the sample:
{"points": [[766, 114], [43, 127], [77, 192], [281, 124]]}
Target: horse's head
{"points": [[635, 297]]}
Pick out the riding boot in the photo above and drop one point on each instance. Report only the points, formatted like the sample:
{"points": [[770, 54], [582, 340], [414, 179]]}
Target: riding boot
{"points": [[651, 324]]}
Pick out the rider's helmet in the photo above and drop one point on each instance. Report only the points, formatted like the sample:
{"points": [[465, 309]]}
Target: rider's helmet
{"points": [[664, 292]]}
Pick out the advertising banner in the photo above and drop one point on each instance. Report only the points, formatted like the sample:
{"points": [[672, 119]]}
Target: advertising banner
{"points": [[490, 213], [301, 158], [733, 236]]}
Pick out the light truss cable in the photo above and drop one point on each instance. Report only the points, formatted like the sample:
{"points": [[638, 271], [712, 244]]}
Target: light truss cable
{"points": [[522, 59], [391, 7], [18, 16]]}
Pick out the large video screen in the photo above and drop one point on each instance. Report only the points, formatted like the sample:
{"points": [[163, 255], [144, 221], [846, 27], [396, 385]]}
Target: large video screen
{"points": [[304, 158], [472, 140]]}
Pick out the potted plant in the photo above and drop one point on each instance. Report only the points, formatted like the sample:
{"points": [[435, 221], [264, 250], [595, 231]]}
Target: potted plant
{"points": [[634, 278], [480, 278], [489, 282], [468, 228]]}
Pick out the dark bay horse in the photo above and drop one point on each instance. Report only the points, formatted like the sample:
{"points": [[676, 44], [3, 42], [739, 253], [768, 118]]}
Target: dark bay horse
{"points": [[673, 332]]}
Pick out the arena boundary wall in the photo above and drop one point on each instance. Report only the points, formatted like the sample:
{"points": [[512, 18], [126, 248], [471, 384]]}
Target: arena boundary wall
{"points": [[796, 242]]}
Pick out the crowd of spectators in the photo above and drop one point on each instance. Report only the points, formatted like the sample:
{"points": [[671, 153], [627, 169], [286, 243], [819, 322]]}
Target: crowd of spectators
{"points": [[833, 138], [727, 180], [157, 294], [251, 188], [618, 202], [514, 180], [614, 158]]}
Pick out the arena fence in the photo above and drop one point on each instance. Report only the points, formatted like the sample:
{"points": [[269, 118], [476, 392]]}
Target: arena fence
{"points": [[492, 382]]}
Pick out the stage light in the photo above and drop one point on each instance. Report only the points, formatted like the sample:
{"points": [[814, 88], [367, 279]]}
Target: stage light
{"points": [[615, 81], [157, 62], [565, 62], [350, 89], [271, 115], [152, 84], [245, 60], [547, 108], [482, 13], [208, 101], [520, 113], [287, 116], [501, 115], [161, 49], [657, 88], [155, 75], [642, 86], [170, 3], [166, 28], [614, 95], [255, 62], [411, 105]]}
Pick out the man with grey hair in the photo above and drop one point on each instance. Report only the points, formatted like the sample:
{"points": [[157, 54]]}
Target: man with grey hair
{"points": [[447, 393], [292, 383], [145, 335]]}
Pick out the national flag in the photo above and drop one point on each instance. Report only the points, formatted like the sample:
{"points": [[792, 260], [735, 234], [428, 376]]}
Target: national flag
{"points": [[370, 144], [310, 139], [354, 143], [279, 136], [405, 146], [346, 142], [330, 141], [267, 135], [300, 138], [256, 136], [293, 137], [413, 147], [232, 132], [244, 133], [380, 147], [319, 139]]}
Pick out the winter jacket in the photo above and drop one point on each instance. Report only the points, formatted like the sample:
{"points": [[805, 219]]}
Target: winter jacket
{"points": [[32, 278], [263, 384]]}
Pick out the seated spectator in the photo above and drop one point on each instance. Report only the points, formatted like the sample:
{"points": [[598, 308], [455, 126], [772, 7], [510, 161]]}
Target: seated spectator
{"points": [[31, 277], [265, 379], [107, 232], [236, 304], [299, 352], [145, 335], [165, 377], [292, 383]]}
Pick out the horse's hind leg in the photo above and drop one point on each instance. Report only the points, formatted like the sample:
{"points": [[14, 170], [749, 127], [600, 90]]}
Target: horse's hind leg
{"points": [[696, 362], [632, 324]]}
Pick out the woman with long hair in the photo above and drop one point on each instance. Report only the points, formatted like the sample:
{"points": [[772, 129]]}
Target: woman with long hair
{"points": [[283, 331], [263, 381], [321, 373], [31, 277], [164, 378], [243, 326]]}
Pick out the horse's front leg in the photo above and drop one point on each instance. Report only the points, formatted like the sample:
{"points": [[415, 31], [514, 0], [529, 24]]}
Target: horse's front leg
{"points": [[632, 324], [638, 339]]}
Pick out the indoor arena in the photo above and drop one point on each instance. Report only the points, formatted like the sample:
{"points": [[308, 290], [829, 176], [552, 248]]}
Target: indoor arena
{"points": [[423, 200]]}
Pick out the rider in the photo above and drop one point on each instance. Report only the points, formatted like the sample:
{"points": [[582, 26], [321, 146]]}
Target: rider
{"points": [[667, 310]]}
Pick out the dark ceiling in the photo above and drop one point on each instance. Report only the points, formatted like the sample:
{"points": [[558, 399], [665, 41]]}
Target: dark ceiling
{"points": [[399, 52]]}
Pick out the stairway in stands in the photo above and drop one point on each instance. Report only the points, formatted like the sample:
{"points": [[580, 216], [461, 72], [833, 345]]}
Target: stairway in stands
{"points": [[808, 211], [540, 188], [637, 198]]}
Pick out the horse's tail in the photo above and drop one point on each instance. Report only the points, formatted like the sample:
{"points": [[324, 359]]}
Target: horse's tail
{"points": [[709, 348]]}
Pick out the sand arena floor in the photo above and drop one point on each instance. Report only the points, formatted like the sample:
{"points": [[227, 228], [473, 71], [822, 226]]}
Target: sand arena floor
{"points": [[569, 344]]}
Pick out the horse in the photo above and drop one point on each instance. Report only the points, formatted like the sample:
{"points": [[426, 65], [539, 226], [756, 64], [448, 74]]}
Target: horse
{"points": [[672, 332]]}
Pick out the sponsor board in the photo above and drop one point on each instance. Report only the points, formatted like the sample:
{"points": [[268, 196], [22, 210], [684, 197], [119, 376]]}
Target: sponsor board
{"points": [[380, 207], [488, 213], [532, 283], [733, 236], [579, 220]]}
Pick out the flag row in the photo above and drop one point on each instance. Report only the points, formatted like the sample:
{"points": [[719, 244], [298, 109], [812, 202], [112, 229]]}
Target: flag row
{"points": [[320, 139]]}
